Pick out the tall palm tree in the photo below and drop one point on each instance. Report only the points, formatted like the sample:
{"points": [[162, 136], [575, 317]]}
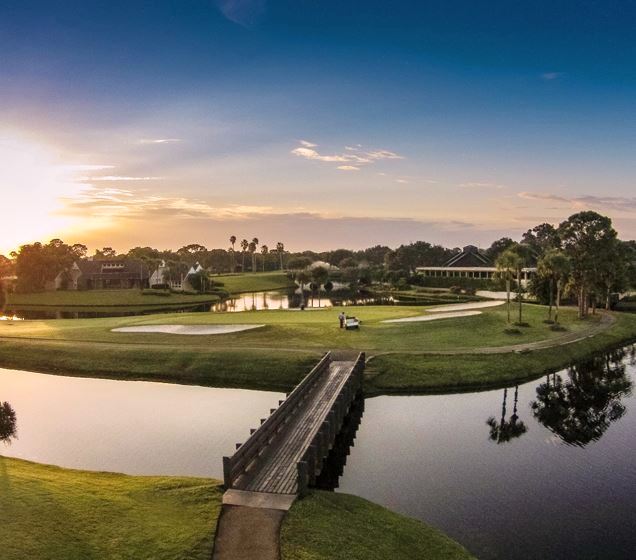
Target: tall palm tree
{"points": [[507, 264], [280, 249], [302, 278], [555, 265], [252, 249], [255, 244], [264, 252], [319, 275], [232, 242], [244, 246]]}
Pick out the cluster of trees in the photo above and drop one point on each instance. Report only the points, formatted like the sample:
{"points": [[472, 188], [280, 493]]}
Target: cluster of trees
{"points": [[582, 257]]}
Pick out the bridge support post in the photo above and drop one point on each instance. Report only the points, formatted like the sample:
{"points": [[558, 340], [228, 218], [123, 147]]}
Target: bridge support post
{"points": [[303, 476], [227, 473]]}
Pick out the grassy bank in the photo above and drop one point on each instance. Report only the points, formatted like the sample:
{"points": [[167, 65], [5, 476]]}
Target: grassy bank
{"points": [[50, 513], [328, 526], [278, 354], [417, 373], [104, 298], [254, 282]]}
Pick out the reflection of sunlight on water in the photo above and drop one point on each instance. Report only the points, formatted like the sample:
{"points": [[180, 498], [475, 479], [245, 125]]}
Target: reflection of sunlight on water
{"points": [[10, 318]]}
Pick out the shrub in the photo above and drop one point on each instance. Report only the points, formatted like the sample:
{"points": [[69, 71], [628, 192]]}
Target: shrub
{"points": [[511, 330], [557, 327], [455, 290], [522, 324]]}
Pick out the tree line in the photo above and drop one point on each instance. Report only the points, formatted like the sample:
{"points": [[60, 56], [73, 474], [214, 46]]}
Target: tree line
{"points": [[582, 257]]}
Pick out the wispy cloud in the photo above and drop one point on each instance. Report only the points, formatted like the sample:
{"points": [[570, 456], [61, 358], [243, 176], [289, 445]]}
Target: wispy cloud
{"points": [[119, 178], [159, 140], [352, 156], [617, 203], [246, 13], [481, 185], [548, 76]]}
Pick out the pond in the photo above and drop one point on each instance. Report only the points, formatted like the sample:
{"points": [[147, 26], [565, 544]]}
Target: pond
{"points": [[257, 301], [542, 470]]}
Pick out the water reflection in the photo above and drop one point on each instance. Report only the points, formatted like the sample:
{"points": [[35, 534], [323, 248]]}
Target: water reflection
{"points": [[333, 467], [506, 430], [580, 408], [8, 423]]}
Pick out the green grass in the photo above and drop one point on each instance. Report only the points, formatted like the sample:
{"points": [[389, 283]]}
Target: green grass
{"points": [[104, 298], [329, 526], [400, 373], [277, 355], [52, 513], [254, 282]]}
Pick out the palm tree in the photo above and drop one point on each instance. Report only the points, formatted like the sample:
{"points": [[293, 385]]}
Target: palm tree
{"points": [[244, 246], [255, 244], [319, 275], [506, 430], [523, 254], [280, 249], [252, 249], [232, 242], [555, 265], [302, 278], [507, 264], [264, 252]]}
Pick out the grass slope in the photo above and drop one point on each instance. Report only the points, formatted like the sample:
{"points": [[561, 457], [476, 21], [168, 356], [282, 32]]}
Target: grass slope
{"points": [[104, 298], [254, 282], [400, 373], [52, 513], [277, 355], [329, 526]]}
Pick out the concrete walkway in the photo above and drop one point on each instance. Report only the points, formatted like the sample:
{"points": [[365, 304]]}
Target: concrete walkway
{"points": [[248, 533]]}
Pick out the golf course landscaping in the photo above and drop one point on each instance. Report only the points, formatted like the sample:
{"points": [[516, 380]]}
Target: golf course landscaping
{"points": [[449, 353], [51, 513]]}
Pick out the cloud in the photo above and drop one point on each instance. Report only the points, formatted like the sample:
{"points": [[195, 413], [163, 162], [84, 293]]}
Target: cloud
{"points": [[617, 203], [481, 185], [120, 178], [159, 140], [83, 167], [246, 13], [403, 181], [348, 168], [548, 76], [354, 156]]}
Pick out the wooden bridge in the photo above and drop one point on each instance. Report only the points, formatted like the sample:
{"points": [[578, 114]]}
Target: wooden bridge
{"points": [[285, 455]]}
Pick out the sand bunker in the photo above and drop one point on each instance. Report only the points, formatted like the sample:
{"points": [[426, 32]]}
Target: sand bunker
{"points": [[433, 317], [188, 329], [463, 306]]}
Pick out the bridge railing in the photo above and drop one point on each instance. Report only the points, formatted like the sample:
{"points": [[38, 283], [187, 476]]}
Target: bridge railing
{"points": [[310, 464], [259, 440]]}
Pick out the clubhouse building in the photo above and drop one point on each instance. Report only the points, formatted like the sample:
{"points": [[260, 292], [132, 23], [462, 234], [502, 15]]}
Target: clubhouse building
{"points": [[470, 263]]}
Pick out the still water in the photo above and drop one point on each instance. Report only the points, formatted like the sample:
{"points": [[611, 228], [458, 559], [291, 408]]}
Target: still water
{"points": [[545, 470]]}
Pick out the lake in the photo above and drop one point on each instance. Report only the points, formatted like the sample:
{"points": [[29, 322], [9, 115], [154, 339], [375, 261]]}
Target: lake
{"points": [[545, 470]]}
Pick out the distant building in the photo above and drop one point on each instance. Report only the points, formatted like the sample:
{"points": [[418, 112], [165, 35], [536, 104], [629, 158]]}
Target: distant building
{"points": [[161, 277], [470, 263], [102, 275]]}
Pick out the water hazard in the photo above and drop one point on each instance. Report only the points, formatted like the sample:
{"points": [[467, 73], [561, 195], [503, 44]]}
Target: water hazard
{"points": [[542, 470]]}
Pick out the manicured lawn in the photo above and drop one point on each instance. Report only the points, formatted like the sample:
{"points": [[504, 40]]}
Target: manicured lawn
{"points": [[277, 355], [52, 513], [402, 373], [49, 513], [254, 282], [329, 526], [105, 298]]}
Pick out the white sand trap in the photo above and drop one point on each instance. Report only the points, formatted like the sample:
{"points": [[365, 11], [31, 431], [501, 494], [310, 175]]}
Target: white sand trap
{"points": [[188, 329], [463, 306], [433, 317]]}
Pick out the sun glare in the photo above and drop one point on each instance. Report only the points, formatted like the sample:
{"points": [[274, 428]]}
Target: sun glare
{"points": [[33, 180]]}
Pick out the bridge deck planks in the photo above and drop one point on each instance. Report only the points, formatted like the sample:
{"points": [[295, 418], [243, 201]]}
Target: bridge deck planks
{"points": [[276, 470]]}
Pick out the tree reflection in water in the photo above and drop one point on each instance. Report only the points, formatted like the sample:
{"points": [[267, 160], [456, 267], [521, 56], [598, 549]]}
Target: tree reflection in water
{"points": [[580, 408], [8, 427], [506, 430]]}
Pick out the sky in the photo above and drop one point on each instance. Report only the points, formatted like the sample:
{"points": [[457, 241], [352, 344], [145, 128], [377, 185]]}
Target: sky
{"points": [[321, 124]]}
